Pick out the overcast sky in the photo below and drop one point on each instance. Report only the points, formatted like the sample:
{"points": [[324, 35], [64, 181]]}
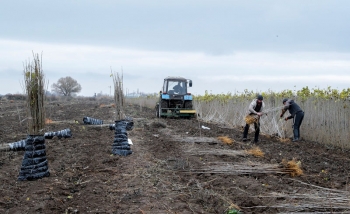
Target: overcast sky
{"points": [[222, 45]]}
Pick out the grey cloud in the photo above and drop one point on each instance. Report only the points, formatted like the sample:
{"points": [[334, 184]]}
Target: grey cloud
{"points": [[206, 26]]}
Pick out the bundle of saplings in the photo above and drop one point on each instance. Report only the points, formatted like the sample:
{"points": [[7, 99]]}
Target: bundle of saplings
{"points": [[20, 145], [92, 121], [65, 133], [34, 163], [120, 145]]}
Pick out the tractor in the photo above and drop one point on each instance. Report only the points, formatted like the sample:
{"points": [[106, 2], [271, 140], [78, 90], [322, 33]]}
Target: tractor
{"points": [[174, 99]]}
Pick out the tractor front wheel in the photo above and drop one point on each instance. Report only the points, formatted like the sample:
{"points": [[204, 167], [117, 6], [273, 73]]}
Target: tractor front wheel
{"points": [[157, 109], [164, 104]]}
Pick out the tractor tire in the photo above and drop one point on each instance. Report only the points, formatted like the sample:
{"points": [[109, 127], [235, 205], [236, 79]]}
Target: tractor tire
{"points": [[164, 104], [157, 109], [160, 112]]}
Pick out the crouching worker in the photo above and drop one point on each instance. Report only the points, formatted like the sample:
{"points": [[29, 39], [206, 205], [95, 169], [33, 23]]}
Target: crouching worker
{"points": [[255, 108], [296, 113]]}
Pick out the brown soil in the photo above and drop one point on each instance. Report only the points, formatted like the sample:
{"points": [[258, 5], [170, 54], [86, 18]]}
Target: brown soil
{"points": [[176, 167]]}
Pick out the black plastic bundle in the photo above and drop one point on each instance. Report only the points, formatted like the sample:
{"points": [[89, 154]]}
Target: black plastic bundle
{"points": [[92, 121], [129, 124], [121, 145], [65, 133], [34, 163], [19, 145], [112, 126]]}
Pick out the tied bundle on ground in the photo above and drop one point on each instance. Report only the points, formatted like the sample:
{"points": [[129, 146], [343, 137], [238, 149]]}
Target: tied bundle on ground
{"points": [[34, 164], [65, 133], [121, 145], [129, 124], [20, 145], [92, 121]]}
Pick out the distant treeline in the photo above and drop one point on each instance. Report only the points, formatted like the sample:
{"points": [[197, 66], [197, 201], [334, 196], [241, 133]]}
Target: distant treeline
{"points": [[14, 96], [22, 97]]}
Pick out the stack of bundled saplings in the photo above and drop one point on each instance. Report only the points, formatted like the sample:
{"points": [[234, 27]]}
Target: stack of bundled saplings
{"points": [[120, 145], [34, 163]]}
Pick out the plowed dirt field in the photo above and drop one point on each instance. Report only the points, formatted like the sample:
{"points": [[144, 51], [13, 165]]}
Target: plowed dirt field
{"points": [[176, 167]]}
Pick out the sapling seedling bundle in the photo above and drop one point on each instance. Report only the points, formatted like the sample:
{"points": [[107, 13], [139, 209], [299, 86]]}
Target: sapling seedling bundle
{"points": [[120, 145], [34, 164]]}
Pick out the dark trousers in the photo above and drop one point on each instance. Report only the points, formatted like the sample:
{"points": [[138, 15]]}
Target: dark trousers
{"points": [[298, 119], [257, 131]]}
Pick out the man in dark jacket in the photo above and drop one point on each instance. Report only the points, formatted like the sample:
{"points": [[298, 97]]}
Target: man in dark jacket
{"points": [[296, 113], [255, 108]]}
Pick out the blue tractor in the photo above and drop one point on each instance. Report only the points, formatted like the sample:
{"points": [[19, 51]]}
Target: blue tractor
{"points": [[174, 99]]}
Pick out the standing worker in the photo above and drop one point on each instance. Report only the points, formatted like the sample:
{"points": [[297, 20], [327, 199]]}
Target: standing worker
{"points": [[255, 108], [296, 113]]}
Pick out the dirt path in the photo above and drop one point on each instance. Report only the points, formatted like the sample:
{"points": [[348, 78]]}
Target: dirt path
{"points": [[176, 167]]}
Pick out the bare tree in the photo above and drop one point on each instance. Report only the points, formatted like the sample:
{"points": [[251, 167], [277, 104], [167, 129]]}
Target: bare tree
{"points": [[66, 86]]}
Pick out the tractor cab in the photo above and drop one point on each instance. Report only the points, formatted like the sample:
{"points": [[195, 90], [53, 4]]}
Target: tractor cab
{"points": [[176, 86], [174, 99]]}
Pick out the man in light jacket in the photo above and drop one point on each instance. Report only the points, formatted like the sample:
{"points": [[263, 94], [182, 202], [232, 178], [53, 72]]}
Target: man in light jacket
{"points": [[255, 108], [296, 113]]}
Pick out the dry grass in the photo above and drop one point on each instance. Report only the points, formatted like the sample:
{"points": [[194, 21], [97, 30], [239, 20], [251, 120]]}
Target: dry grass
{"points": [[48, 121], [284, 140], [293, 167], [234, 206], [256, 152], [250, 119], [226, 140], [107, 106]]}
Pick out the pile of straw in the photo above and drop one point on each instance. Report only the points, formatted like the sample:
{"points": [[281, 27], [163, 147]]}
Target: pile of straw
{"points": [[256, 152], [292, 167], [226, 140], [250, 119]]}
